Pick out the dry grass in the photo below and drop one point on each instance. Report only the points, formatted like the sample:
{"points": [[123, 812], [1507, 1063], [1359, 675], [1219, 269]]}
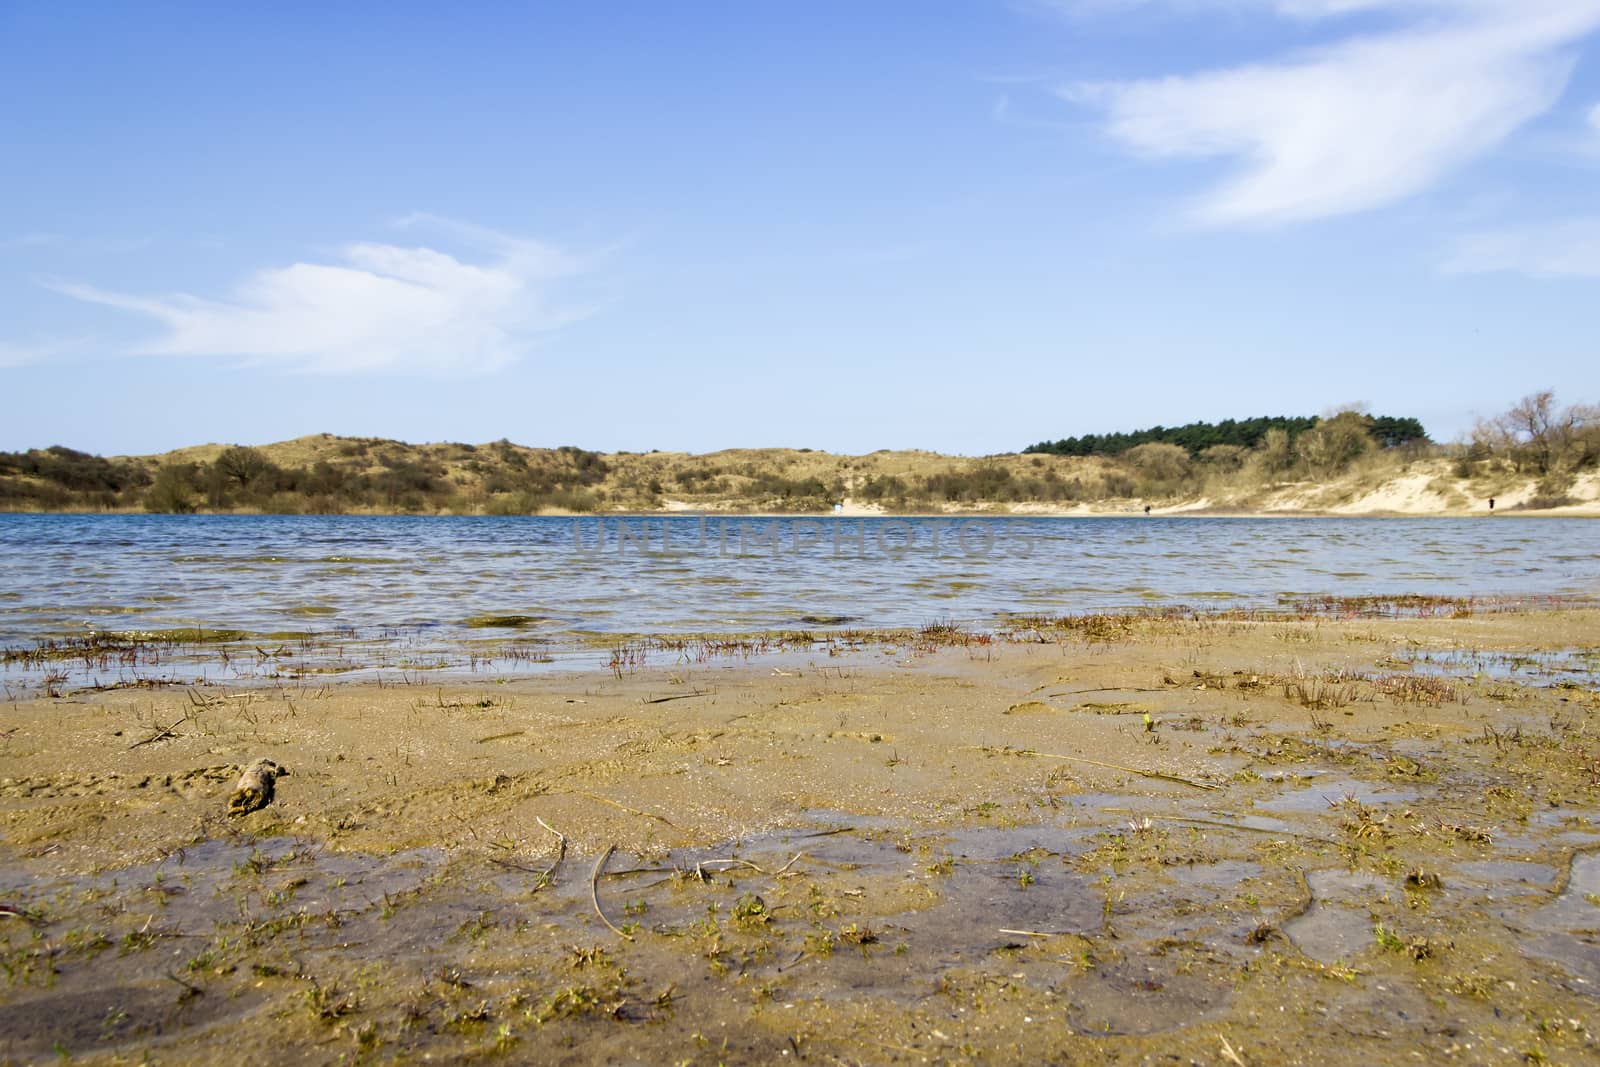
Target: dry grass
{"points": [[322, 472]]}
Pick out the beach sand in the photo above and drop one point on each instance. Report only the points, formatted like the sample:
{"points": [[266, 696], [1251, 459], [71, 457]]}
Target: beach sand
{"points": [[1125, 841]]}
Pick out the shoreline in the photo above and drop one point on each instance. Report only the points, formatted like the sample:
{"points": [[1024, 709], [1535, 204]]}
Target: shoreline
{"points": [[1588, 511], [1118, 840]]}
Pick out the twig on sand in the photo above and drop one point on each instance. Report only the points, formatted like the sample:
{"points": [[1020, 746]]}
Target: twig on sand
{"points": [[1229, 1054], [501, 737], [723, 865], [680, 696], [594, 892], [1161, 775], [1026, 933], [779, 872], [630, 811], [547, 875], [164, 733], [732, 862]]}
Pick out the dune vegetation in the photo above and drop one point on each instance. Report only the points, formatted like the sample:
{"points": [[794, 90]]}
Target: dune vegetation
{"points": [[1539, 455]]}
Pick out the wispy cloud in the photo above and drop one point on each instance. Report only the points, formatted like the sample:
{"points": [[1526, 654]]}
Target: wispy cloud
{"points": [[1363, 122], [1301, 9], [374, 307], [33, 240], [13, 354], [1566, 249], [1006, 115]]}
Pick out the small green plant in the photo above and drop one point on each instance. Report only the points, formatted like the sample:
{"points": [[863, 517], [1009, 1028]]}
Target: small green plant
{"points": [[821, 942], [1418, 948], [589, 956], [751, 910], [137, 941], [858, 935], [478, 927], [326, 1004]]}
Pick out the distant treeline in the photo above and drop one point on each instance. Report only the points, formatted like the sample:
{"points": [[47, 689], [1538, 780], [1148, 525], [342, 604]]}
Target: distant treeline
{"points": [[1387, 430]]}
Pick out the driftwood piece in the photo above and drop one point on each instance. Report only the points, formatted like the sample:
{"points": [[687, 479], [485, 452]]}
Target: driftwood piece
{"points": [[594, 893], [256, 787]]}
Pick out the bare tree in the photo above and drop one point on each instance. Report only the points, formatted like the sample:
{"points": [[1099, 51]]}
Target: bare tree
{"points": [[1532, 423], [1537, 432]]}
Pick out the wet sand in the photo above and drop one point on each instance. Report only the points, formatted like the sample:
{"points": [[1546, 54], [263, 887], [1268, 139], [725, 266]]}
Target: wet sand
{"points": [[1129, 841]]}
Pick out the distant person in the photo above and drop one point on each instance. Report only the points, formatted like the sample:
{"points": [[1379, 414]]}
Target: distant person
{"points": [[1491, 503], [1147, 508]]}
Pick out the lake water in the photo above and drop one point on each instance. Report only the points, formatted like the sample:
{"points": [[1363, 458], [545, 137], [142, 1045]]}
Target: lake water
{"points": [[67, 574]]}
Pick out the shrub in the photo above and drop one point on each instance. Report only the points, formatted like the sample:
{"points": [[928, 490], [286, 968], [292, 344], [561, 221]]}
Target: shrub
{"points": [[173, 489], [1161, 467], [1224, 458], [1332, 444], [1275, 455]]}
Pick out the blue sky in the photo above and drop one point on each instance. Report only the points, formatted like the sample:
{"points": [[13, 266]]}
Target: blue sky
{"points": [[963, 225]]}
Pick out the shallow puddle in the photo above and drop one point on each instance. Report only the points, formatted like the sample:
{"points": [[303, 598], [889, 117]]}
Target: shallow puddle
{"points": [[1337, 925], [1144, 996], [1330, 933], [1332, 793], [1506, 876], [1569, 926]]}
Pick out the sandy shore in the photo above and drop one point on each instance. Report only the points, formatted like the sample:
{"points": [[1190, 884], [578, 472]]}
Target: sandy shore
{"points": [[1123, 842]]}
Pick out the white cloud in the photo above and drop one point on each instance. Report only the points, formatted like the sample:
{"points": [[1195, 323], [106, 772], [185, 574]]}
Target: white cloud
{"points": [[377, 307], [1566, 249], [1361, 123]]}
